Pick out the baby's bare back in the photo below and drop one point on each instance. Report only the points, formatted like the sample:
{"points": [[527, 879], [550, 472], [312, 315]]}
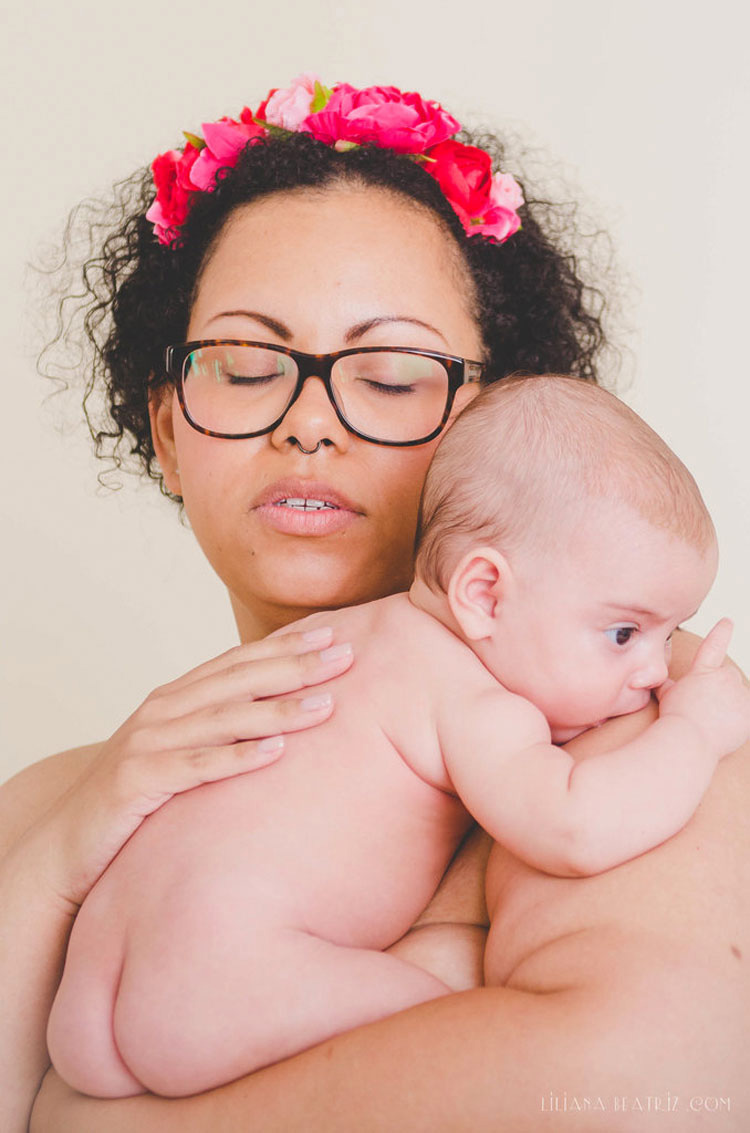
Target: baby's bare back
{"points": [[342, 834], [343, 841]]}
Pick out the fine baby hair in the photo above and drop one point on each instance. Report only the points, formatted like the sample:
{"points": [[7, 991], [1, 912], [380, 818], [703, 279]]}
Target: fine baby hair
{"points": [[525, 458], [535, 311]]}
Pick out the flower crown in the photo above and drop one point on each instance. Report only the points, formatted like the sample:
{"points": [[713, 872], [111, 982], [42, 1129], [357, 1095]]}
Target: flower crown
{"points": [[344, 118]]}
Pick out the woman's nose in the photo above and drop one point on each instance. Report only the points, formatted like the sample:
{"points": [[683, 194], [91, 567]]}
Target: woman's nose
{"points": [[311, 421]]}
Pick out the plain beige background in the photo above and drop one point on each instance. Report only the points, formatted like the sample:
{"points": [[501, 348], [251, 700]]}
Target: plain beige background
{"points": [[641, 106]]}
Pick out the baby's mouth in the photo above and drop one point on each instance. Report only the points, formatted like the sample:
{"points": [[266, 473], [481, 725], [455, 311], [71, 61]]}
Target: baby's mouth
{"points": [[300, 504]]}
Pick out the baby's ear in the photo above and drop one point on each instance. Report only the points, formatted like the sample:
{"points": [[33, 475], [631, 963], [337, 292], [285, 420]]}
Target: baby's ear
{"points": [[476, 590]]}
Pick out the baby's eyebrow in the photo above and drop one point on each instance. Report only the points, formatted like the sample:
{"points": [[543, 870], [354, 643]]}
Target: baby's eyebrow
{"points": [[628, 608]]}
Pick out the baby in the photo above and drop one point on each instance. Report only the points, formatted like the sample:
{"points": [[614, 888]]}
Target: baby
{"points": [[561, 544]]}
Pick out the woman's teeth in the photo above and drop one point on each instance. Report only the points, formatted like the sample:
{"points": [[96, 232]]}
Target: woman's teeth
{"points": [[305, 505]]}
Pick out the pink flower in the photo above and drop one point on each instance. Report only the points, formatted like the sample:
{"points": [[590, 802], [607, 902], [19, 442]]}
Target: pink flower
{"points": [[289, 106], [225, 141], [174, 191], [500, 219], [381, 116]]}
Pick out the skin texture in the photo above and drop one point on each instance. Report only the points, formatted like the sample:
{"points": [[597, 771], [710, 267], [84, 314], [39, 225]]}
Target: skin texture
{"points": [[630, 984], [603, 978], [176, 978]]}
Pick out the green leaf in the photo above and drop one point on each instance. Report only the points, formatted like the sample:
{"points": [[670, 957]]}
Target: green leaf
{"points": [[194, 140], [320, 98], [274, 131]]}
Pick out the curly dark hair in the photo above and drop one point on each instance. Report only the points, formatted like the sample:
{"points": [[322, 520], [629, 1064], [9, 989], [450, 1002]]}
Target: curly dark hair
{"points": [[535, 312]]}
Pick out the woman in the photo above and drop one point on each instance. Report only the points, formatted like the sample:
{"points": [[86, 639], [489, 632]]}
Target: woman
{"points": [[595, 985]]}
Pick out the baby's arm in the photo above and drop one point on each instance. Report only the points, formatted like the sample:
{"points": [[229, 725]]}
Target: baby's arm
{"points": [[581, 818]]}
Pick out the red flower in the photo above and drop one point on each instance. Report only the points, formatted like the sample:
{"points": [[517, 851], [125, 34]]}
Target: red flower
{"points": [[485, 205], [464, 173], [174, 191]]}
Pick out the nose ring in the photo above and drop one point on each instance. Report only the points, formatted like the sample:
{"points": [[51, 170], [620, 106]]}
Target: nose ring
{"points": [[308, 451]]}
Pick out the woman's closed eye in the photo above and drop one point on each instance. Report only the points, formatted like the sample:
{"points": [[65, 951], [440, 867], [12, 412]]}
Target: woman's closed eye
{"points": [[251, 379], [620, 635], [387, 387]]}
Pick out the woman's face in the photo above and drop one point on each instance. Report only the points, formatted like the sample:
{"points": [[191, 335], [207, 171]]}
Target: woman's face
{"points": [[316, 271]]}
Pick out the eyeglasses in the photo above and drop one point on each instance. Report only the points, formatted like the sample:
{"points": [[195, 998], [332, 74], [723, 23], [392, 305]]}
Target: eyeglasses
{"points": [[396, 396]]}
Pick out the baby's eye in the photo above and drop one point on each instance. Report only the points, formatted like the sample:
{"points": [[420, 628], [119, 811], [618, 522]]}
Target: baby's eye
{"points": [[621, 635]]}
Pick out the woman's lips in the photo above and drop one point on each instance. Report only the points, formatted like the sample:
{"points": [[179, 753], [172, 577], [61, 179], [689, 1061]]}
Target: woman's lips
{"points": [[305, 507]]}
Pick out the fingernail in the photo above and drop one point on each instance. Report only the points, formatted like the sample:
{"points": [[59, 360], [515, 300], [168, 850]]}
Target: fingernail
{"points": [[273, 743], [321, 700], [336, 652], [318, 636]]}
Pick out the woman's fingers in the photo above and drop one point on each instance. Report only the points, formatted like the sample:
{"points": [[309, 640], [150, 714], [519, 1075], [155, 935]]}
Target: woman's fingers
{"points": [[234, 721], [249, 680], [277, 646]]}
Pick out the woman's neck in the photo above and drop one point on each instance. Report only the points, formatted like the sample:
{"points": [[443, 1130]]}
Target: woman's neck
{"points": [[253, 624]]}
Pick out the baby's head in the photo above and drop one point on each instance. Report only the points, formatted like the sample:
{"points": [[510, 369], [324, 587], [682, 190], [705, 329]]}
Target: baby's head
{"points": [[568, 542]]}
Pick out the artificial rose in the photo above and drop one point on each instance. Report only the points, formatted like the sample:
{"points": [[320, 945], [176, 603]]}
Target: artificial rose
{"points": [[174, 191], [289, 106], [500, 219], [381, 116], [464, 173], [225, 141]]}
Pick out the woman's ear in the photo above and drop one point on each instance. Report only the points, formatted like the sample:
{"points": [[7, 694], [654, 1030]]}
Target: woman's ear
{"points": [[476, 591], [162, 433]]}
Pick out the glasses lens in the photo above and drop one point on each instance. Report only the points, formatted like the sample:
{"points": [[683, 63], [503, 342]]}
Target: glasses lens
{"points": [[391, 396], [237, 389]]}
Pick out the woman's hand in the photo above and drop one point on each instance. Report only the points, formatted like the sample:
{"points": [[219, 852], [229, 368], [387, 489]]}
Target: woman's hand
{"points": [[223, 718]]}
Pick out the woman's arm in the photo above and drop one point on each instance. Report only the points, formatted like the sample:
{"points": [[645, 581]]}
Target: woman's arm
{"points": [[491, 1059], [63, 820], [36, 920], [619, 988]]}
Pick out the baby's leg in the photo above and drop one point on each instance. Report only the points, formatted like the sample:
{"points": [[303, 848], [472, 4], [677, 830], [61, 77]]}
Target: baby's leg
{"points": [[79, 1032], [253, 1006]]}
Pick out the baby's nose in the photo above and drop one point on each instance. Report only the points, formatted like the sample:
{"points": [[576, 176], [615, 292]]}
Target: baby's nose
{"points": [[653, 673]]}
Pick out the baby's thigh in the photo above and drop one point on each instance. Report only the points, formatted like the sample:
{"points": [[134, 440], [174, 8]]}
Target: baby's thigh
{"points": [[246, 1003], [79, 1034]]}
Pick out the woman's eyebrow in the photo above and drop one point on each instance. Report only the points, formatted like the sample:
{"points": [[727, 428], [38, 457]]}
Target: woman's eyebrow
{"points": [[352, 335], [279, 329], [361, 329]]}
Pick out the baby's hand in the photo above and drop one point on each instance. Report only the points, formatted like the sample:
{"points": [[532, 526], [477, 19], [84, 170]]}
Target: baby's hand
{"points": [[712, 696]]}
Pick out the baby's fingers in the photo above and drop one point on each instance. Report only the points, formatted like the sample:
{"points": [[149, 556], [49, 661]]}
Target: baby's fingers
{"points": [[712, 651], [664, 688]]}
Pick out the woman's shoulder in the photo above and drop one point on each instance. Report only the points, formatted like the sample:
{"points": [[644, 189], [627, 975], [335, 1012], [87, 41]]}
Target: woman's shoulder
{"points": [[31, 791]]}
